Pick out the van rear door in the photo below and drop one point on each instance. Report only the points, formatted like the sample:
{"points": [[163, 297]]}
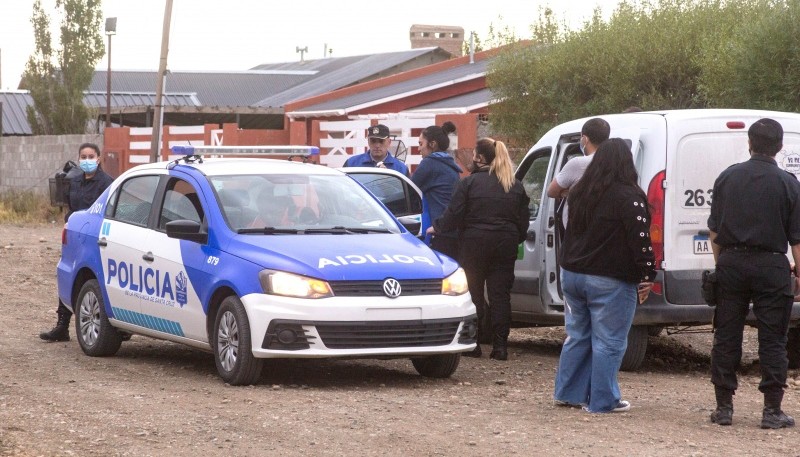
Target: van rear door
{"points": [[699, 149]]}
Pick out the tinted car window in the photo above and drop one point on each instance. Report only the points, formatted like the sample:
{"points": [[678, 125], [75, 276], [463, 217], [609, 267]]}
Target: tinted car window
{"points": [[180, 203], [392, 191], [136, 197]]}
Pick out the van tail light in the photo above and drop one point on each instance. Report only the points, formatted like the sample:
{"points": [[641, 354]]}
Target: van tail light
{"points": [[655, 198]]}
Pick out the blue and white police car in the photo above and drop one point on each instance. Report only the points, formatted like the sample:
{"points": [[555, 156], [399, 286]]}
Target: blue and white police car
{"points": [[255, 258]]}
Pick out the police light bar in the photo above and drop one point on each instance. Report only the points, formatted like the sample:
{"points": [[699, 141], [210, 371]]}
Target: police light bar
{"points": [[245, 150]]}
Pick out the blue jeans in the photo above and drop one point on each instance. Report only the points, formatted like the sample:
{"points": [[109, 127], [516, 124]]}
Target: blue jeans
{"points": [[598, 315]]}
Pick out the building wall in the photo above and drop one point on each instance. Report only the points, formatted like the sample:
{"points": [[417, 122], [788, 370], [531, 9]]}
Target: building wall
{"points": [[447, 37], [27, 162]]}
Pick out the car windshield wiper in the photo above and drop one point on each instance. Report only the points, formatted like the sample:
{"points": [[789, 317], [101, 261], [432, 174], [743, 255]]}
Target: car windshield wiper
{"points": [[339, 229], [269, 230]]}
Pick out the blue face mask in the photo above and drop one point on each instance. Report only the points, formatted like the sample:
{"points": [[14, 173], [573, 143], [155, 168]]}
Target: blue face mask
{"points": [[88, 166], [582, 147]]}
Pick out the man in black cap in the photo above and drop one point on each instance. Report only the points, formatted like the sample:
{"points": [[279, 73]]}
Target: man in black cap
{"points": [[755, 214], [378, 153]]}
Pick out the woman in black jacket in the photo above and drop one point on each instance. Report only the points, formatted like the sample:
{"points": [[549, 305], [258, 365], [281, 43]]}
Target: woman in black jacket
{"points": [[606, 254], [84, 188], [489, 209]]}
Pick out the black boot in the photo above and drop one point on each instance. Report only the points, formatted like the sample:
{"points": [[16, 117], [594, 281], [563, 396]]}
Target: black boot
{"points": [[723, 415], [773, 417], [476, 353], [499, 347], [61, 331]]}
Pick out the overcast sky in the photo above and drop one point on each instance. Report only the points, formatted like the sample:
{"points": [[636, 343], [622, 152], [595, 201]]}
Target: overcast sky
{"points": [[226, 35]]}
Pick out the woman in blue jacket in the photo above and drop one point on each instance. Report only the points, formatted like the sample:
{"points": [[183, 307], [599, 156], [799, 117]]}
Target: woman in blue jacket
{"points": [[437, 176]]}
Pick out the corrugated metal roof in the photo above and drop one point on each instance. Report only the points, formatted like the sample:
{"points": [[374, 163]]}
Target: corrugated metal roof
{"points": [[346, 71], [15, 116], [477, 69], [468, 101], [211, 88], [97, 99]]}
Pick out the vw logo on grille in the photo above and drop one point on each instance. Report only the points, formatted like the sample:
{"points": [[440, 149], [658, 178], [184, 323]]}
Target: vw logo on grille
{"points": [[391, 287]]}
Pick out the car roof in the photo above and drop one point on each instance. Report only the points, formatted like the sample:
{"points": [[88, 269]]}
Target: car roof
{"points": [[240, 166]]}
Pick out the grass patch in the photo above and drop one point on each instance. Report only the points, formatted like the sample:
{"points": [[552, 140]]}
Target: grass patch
{"points": [[21, 207]]}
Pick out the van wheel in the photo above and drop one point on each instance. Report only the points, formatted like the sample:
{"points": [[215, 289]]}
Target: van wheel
{"points": [[233, 352], [96, 336], [437, 366], [793, 347], [637, 346]]}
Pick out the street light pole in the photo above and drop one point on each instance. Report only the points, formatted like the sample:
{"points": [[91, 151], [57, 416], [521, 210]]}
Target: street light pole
{"points": [[111, 29]]}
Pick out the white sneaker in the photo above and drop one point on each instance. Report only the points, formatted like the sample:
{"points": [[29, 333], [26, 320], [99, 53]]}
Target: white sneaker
{"points": [[621, 407]]}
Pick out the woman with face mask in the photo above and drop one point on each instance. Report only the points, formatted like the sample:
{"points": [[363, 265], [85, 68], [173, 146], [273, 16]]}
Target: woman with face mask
{"points": [[84, 188], [490, 211]]}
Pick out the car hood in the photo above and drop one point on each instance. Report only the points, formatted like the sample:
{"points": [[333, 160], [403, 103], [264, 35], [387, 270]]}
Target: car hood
{"points": [[344, 257]]}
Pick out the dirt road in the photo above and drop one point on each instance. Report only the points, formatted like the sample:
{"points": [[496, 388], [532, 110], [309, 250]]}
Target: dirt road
{"points": [[158, 398]]}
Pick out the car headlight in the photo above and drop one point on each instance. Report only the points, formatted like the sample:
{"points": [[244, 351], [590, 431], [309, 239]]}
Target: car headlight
{"points": [[292, 285], [455, 284]]}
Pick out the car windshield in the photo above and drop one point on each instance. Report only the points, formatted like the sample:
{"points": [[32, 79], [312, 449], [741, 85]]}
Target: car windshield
{"points": [[283, 204]]}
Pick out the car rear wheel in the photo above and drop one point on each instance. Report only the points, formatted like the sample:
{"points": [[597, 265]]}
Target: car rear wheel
{"points": [[96, 336], [437, 366], [637, 346], [232, 347]]}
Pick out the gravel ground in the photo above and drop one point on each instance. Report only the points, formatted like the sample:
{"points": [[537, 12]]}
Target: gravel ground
{"points": [[158, 398]]}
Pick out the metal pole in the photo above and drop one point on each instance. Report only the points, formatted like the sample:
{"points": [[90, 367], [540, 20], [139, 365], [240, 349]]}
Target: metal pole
{"points": [[108, 86], [155, 145]]}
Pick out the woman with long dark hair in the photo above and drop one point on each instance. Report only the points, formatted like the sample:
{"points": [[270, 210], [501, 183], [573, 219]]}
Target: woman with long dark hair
{"points": [[490, 211], [606, 254]]}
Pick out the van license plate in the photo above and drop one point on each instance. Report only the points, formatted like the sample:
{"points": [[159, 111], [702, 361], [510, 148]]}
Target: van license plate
{"points": [[701, 245]]}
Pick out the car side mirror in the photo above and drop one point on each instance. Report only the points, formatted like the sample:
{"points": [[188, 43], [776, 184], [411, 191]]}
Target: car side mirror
{"points": [[187, 230], [411, 223]]}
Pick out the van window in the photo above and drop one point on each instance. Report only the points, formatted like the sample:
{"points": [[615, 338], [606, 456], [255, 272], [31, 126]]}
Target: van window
{"points": [[534, 179]]}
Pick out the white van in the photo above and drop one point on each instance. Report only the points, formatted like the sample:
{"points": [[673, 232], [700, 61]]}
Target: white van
{"points": [[678, 155]]}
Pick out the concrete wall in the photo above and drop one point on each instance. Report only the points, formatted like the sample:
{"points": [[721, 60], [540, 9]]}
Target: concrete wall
{"points": [[26, 162]]}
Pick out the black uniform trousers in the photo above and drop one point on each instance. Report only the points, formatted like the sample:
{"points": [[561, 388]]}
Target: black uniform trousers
{"points": [[490, 260], [765, 279]]}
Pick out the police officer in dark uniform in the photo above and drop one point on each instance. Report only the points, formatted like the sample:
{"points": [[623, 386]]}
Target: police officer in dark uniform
{"points": [[755, 214], [84, 188]]}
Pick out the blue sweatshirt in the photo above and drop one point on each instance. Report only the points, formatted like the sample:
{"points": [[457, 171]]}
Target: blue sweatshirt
{"points": [[436, 176]]}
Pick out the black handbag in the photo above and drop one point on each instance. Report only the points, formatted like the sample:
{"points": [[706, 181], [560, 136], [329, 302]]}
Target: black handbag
{"points": [[710, 287]]}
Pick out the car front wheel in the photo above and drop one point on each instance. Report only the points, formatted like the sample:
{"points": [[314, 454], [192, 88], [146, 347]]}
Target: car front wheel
{"points": [[232, 348], [96, 336], [437, 366]]}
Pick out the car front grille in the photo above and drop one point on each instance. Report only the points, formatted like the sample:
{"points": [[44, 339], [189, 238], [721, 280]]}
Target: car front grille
{"points": [[387, 334], [375, 288]]}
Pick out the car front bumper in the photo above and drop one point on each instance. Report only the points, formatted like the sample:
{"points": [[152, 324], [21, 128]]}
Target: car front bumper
{"points": [[369, 327]]}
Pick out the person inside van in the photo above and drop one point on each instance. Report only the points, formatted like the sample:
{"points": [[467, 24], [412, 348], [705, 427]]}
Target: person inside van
{"points": [[489, 208], [606, 254]]}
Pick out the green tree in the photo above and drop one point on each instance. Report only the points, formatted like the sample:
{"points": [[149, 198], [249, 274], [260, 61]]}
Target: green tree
{"points": [[664, 54], [57, 79]]}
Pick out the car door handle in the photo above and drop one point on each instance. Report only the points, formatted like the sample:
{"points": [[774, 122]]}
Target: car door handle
{"points": [[531, 236], [102, 242], [148, 257]]}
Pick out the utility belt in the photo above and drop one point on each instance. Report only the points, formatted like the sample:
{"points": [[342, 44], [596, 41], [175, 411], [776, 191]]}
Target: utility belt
{"points": [[747, 248]]}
